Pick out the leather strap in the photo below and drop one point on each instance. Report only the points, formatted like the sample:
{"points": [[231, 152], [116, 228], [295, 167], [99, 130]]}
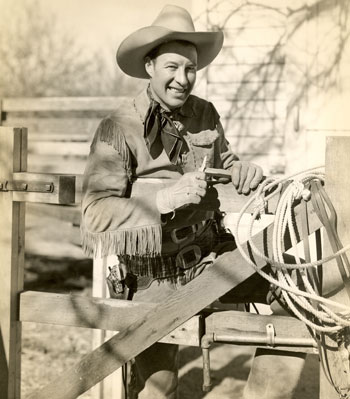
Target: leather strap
{"points": [[311, 272], [329, 221]]}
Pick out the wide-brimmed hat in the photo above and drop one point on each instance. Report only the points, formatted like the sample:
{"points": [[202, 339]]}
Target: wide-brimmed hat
{"points": [[173, 23]]}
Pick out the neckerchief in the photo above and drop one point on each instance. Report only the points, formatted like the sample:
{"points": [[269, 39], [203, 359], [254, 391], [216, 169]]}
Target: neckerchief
{"points": [[159, 128]]}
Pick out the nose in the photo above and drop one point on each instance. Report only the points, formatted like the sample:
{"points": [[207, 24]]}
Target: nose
{"points": [[181, 77]]}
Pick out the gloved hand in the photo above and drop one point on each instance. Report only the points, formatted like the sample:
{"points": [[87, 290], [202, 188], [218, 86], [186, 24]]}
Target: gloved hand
{"points": [[189, 189], [246, 176]]}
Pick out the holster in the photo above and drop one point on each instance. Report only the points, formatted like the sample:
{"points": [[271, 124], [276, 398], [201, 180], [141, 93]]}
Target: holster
{"points": [[121, 287]]}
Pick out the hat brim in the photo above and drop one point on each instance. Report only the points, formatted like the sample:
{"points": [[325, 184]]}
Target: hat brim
{"points": [[133, 50]]}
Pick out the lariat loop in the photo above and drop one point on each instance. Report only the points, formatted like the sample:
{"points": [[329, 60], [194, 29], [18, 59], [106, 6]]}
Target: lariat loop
{"points": [[300, 191]]}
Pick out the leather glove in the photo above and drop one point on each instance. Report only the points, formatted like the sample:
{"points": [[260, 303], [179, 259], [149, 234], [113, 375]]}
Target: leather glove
{"points": [[189, 189], [246, 176]]}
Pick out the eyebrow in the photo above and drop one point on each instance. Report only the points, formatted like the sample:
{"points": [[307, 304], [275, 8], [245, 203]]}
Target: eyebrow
{"points": [[170, 62]]}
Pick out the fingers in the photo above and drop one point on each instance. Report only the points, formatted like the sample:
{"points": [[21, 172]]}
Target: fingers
{"points": [[246, 176], [194, 194], [195, 180], [199, 191], [189, 189], [199, 175], [236, 173], [198, 187], [257, 178], [201, 184], [245, 185], [194, 199]]}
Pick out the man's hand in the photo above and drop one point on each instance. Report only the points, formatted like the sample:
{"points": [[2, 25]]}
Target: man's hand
{"points": [[189, 189], [246, 176]]}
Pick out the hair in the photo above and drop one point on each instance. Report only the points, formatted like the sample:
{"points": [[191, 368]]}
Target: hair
{"points": [[155, 51]]}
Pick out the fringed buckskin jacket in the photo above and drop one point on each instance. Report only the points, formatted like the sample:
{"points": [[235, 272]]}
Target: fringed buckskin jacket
{"points": [[121, 180]]}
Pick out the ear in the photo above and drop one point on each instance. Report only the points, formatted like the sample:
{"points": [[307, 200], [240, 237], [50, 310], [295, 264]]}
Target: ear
{"points": [[149, 66]]}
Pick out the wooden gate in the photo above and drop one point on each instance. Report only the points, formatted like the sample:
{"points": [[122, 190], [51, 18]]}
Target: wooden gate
{"points": [[176, 319]]}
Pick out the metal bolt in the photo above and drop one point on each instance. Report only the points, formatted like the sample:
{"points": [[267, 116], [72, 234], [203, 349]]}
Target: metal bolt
{"points": [[24, 186]]}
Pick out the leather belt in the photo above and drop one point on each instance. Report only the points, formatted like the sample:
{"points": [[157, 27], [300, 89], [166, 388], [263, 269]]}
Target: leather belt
{"points": [[181, 234], [176, 258], [188, 257]]}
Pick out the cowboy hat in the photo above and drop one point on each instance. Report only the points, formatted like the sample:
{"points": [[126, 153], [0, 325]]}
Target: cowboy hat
{"points": [[173, 23]]}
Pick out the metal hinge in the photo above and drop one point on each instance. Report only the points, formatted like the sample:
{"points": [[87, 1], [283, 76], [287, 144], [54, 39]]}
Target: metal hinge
{"points": [[27, 186], [270, 335]]}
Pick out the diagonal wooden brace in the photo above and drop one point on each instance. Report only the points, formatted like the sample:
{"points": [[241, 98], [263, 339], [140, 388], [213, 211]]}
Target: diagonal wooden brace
{"points": [[214, 282]]}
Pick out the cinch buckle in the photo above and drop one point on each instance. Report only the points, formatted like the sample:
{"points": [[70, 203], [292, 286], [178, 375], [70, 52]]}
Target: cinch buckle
{"points": [[188, 257], [192, 230]]}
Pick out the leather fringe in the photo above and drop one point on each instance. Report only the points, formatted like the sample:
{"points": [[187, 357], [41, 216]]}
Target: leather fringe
{"points": [[138, 241], [110, 133]]}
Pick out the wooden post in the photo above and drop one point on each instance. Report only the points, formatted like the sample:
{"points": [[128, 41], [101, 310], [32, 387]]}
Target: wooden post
{"points": [[0, 111], [337, 186], [111, 386], [13, 143]]}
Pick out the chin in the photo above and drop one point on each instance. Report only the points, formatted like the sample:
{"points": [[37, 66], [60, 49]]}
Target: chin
{"points": [[176, 102]]}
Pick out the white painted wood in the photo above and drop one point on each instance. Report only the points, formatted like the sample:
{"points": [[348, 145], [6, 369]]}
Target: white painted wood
{"points": [[111, 386]]}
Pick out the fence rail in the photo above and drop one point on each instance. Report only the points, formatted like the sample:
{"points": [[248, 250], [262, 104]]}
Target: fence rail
{"points": [[58, 141], [18, 186]]}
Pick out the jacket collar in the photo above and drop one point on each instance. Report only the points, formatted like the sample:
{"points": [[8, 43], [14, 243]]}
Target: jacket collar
{"points": [[141, 103]]}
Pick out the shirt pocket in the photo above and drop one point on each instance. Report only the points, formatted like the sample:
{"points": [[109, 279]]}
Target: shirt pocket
{"points": [[201, 145]]}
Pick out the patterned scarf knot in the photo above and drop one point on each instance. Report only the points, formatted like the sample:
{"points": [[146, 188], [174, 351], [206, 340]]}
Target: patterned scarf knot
{"points": [[160, 132]]}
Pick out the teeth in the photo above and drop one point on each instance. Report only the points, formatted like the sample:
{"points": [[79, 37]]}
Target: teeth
{"points": [[177, 90]]}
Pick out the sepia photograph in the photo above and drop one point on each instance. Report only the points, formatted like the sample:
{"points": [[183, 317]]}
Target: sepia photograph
{"points": [[174, 199]]}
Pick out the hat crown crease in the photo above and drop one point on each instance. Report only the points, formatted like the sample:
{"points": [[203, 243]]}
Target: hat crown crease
{"points": [[175, 19]]}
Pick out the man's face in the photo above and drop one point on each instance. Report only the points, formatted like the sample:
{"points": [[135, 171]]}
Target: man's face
{"points": [[172, 73]]}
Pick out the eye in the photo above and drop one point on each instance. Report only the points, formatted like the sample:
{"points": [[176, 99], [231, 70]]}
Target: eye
{"points": [[171, 67], [191, 69]]}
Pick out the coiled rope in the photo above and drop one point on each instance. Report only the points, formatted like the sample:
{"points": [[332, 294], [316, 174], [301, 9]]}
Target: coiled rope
{"points": [[302, 302]]}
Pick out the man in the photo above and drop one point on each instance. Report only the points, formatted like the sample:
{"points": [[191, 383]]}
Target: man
{"points": [[145, 188]]}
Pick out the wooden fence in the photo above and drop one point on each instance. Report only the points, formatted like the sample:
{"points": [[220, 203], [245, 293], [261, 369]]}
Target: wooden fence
{"points": [[18, 186], [59, 135], [58, 139], [59, 129]]}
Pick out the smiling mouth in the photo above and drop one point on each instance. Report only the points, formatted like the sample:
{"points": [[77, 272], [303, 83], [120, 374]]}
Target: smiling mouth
{"points": [[176, 90]]}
